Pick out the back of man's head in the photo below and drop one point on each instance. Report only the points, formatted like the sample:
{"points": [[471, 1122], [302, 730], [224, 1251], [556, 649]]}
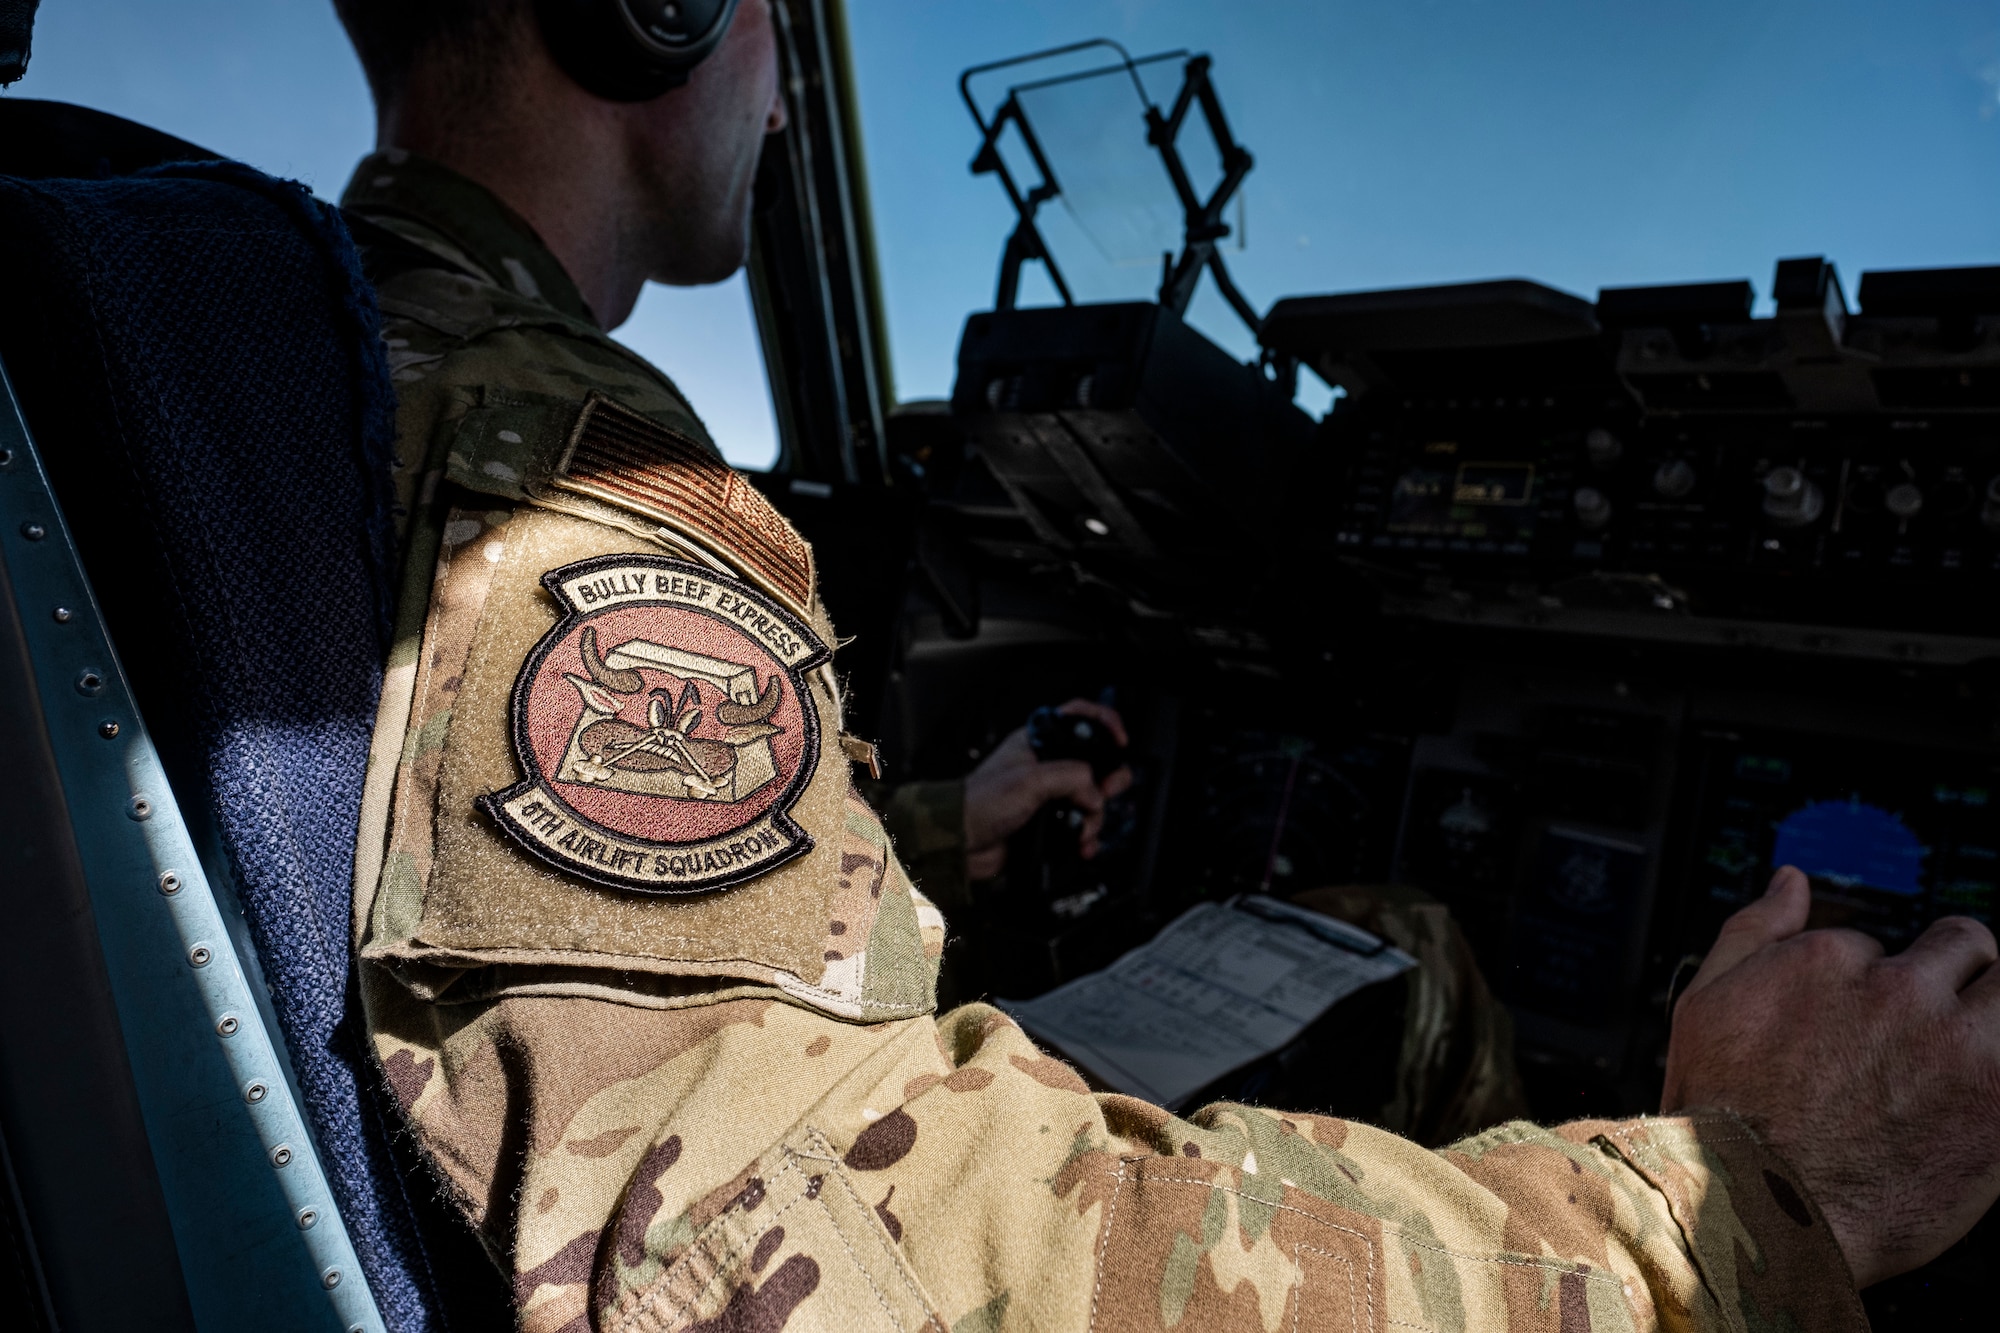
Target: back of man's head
{"points": [[465, 42]]}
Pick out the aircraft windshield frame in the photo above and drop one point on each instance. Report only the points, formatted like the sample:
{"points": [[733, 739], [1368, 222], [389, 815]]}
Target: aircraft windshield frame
{"points": [[1085, 155]]}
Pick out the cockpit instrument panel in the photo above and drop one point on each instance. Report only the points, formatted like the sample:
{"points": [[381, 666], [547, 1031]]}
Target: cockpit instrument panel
{"points": [[1892, 837]]}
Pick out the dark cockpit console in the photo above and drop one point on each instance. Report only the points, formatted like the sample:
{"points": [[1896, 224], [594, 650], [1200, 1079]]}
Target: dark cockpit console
{"points": [[1132, 446], [1741, 573], [1581, 615], [1832, 477], [1610, 607]]}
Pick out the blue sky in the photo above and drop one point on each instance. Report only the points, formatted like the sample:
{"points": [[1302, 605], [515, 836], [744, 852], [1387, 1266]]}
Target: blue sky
{"points": [[1584, 143]]}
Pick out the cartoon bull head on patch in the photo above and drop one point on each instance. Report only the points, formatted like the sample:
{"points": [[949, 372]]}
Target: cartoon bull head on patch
{"points": [[609, 742]]}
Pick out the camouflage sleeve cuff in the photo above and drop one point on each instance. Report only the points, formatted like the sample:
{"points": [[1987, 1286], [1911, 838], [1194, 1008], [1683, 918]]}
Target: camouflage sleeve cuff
{"points": [[926, 820], [1763, 1248]]}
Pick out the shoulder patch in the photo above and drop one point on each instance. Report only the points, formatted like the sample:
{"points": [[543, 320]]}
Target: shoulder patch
{"points": [[664, 728], [633, 462]]}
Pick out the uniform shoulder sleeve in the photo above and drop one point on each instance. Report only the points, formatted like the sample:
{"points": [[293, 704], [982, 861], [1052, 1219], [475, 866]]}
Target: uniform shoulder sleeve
{"points": [[609, 755]]}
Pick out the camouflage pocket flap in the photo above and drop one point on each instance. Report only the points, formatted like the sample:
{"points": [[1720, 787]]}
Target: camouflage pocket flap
{"points": [[797, 1242]]}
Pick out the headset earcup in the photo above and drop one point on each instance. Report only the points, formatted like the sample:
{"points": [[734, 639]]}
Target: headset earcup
{"points": [[594, 43]]}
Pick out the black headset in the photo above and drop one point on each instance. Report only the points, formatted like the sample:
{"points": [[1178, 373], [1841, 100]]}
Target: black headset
{"points": [[632, 50]]}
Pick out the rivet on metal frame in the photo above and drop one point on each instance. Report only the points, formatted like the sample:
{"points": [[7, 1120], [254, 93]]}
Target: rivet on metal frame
{"points": [[227, 1027], [199, 955], [330, 1278], [255, 1093], [89, 681], [33, 531], [63, 615], [140, 808], [170, 882], [307, 1217], [281, 1155], [108, 728]]}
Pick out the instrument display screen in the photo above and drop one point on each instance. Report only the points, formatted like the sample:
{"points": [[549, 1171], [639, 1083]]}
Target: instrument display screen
{"points": [[1493, 484], [1470, 504], [1892, 837]]}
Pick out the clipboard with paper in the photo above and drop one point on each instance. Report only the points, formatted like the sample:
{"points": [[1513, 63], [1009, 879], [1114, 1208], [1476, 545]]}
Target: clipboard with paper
{"points": [[1223, 985]]}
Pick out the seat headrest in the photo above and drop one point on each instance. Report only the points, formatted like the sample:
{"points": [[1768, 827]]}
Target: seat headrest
{"points": [[55, 140], [17, 30]]}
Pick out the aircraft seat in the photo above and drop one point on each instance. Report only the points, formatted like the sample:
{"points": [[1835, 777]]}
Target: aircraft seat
{"points": [[199, 361]]}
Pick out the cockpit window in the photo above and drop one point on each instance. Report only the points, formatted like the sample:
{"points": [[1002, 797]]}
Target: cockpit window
{"points": [[706, 338], [1580, 144], [1117, 205]]}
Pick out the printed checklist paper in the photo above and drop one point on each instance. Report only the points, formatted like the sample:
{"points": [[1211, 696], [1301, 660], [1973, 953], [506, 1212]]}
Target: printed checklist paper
{"points": [[1223, 985]]}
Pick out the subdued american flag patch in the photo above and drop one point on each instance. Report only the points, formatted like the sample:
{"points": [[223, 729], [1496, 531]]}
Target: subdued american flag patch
{"points": [[639, 465]]}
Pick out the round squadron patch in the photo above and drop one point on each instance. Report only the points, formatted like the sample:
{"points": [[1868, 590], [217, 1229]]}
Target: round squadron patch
{"points": [[663, 728]]}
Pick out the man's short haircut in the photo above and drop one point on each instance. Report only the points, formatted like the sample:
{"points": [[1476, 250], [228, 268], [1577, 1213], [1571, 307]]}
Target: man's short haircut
{"points": [[476, 37]]}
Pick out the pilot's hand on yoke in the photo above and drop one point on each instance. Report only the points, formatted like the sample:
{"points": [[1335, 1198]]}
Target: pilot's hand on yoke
{"points": [[1003, 793], [1878, 1077]]}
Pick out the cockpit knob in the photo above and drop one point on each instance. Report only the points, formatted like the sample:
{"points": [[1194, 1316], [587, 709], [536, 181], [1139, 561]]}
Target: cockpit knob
{"points": [[1790, 499], [1673, 479], [1904, 501], [1603, 447], [1593, 507]]}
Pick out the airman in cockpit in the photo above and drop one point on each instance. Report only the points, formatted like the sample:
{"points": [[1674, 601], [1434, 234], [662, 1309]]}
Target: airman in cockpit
{"points": [[651, 981]]}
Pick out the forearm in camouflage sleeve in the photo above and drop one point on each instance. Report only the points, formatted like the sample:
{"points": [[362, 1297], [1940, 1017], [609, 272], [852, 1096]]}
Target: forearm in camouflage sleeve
{"points": [[753, 1165], [926, 822]]}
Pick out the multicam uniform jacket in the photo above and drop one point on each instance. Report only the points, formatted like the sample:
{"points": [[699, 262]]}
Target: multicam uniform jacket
{"points": [[655, 992]]}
